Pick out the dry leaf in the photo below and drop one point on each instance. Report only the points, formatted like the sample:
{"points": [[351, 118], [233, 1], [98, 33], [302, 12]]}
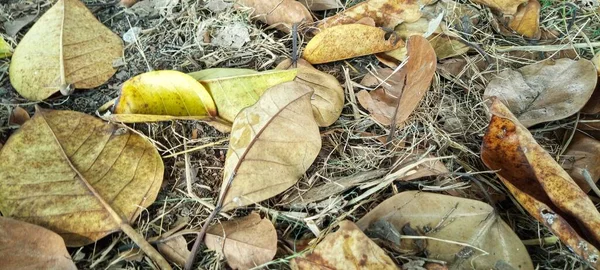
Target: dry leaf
{"points": [[582, 154], [18, 116], [213, 73], [470, 222], [538, 182], [97, 176], [232, 93], [328, 99], [506, 7], [175, 250], [318, 5], [527, 20], [272, 144], [545, 91], [386, 13], [348, 41], [27, 246], [67, 47], [5, 49], [347, 248], [281, 14], [246, 242], [407, 87]]}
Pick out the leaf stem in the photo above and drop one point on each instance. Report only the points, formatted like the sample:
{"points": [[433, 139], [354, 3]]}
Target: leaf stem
{"points": [[145, 246]]}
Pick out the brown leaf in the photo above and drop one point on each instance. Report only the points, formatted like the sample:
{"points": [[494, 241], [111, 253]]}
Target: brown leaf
{"points": [[506, 7], [175, 250], [407, 87], [538, 182], [328, 99], [272, 144], [318, 5], [246, 242], [527, 20], [331, 44], [97, 177], [582, 154], [28, 246], [18, 116], [386, 13], [545, 91], [347, 248], [281, 14], [466, 221]]}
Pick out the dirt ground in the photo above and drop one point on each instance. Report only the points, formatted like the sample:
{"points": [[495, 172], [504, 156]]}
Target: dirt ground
{"points": [[451, 121]]}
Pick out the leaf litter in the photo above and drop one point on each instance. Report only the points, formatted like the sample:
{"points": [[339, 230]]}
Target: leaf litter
{"points": [[451, 117]]}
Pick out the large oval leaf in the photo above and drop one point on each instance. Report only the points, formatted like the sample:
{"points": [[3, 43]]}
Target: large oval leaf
{"points": [[66, 46], [77, 175], [27, 246], [272, 144]]}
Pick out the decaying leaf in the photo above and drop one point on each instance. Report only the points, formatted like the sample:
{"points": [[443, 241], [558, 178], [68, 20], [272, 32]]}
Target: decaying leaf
{"points": [[28, 246], [231, 94], [538, 182], [157, 94], [213, 73], [472, 225], [406, 87], [318, 5], [67, 47], [348, 41], [347, 248], [527, 20], [272, 144], [18, 116], [506, 7], [5, 49], [245, 242], [545, 91], [281, 14], [583, 157], [386, 13], [175, 250], [97, 176], [328, 99]]}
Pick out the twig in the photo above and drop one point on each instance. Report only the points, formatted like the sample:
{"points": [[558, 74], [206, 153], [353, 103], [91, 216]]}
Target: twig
{"points": [[546, 48], [350, 90], [590, 181]]}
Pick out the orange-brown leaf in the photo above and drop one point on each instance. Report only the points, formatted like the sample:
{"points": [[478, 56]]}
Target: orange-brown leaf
{"points": [[540, 184], [507, 7], [527, 20], [583, 154], [18, 116], [281, 14]]}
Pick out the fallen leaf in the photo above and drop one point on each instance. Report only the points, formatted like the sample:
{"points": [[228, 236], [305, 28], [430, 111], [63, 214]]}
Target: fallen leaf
{"points": [[5, 49], [347, 248], [175, 250], [582, 154], [272, 144], [18, 116], [386, 13], [538, 182], [13, 27], [527, 20], [431, 168], [28, 246], [97, 177], [232, 93], [214, 73], [245, 242], [506, 7], [328, 99], [281, 14], [452, 226], [165, 92], [545, 91], [318, 5], [67, 47], [406, 87]]}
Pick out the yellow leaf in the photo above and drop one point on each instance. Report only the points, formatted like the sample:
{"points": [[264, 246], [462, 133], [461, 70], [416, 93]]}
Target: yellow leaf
{"points": [[246, 242], [67, 47], [165, 92], [231, 94], [506, 7], [97, 177], [347, 248], [212, 73], [328, 99], [272, 144], [27, 246], [348, 41], [5, 49], [527, 20]]}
